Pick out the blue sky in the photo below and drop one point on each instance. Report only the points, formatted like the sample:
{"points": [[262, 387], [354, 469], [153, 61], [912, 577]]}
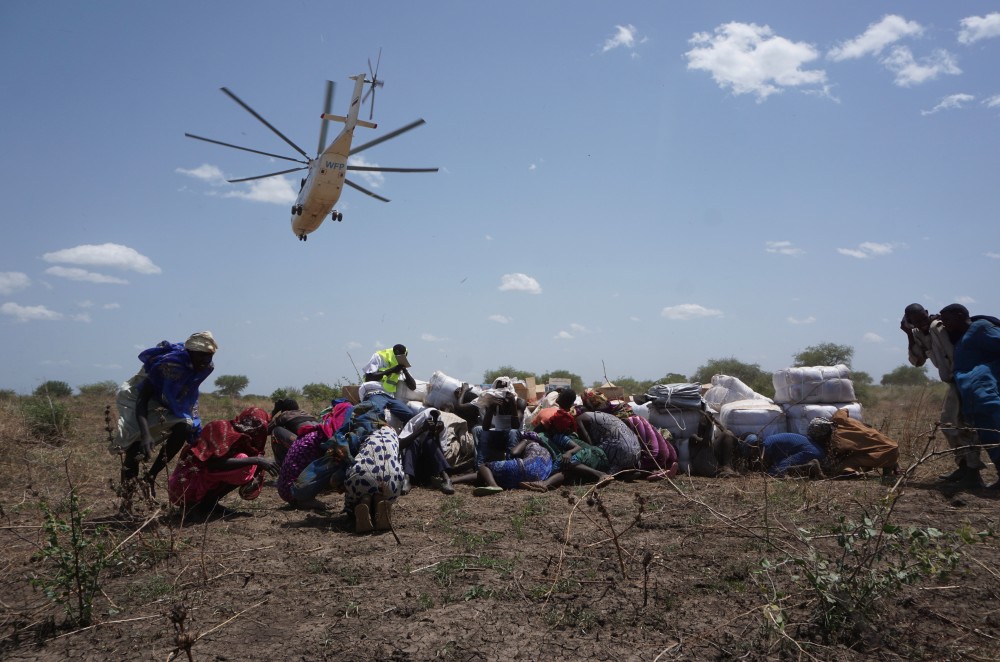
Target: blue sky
{"points": [[647, 184]]}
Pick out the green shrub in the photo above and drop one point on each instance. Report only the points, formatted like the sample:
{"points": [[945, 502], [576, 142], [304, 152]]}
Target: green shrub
{"points": [[106, 388], [46, 418], [54, 389], [7, 394]]}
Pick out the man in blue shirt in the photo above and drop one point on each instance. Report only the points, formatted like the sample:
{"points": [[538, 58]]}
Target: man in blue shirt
{"points": [[976, 370], [786, 454]]}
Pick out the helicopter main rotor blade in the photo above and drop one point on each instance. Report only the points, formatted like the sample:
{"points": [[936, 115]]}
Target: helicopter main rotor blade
{"points": [[271, 174], [327, 107], [381, 169], [391, 134], [263, 121], [365, 191], [245, 149]]}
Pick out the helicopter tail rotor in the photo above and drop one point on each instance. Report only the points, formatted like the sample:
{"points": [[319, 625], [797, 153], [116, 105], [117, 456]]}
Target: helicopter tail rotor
{"points": [[375, 82], [324, 123]]}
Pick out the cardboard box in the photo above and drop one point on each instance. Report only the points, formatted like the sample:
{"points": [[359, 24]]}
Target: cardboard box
{"points": [[526, 390], [611, 392], [351, 393]]}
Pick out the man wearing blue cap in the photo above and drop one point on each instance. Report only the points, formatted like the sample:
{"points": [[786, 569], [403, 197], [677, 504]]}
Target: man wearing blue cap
{"points": [[785, 454]]}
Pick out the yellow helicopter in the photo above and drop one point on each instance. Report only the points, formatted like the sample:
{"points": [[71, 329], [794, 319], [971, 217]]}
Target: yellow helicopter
{"points": [[321, 188]]}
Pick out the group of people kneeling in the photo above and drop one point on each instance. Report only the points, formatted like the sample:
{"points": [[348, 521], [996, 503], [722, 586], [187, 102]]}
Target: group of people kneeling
{"points": [[353, 449]]}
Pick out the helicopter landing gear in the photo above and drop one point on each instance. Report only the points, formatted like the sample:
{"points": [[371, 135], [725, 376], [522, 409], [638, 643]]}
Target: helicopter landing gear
{"points": [[303, 237], [296, 210], [336, 216]]}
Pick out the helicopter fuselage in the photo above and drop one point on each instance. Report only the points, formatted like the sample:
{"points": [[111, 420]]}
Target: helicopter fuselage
{"points": [[323, 185]]}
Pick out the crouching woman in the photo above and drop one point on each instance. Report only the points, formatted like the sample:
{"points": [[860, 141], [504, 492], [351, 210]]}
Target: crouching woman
{"points": [[226, 455]]}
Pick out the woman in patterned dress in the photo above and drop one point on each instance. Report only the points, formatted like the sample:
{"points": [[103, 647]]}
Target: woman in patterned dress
{"points": [[375, 480]]}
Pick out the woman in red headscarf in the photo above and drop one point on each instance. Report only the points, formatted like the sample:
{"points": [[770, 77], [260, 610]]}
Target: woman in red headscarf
{"points": [[225, 456]]}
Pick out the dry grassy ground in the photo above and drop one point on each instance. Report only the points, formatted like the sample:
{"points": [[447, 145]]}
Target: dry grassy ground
{"points": [[749, 568]]}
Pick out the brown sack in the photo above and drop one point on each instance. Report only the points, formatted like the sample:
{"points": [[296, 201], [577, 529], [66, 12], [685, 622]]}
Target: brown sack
{"points": [[858, 446]]}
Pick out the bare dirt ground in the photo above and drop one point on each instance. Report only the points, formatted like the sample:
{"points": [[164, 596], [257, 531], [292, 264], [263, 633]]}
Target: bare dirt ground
{"points": [[697, 568]]}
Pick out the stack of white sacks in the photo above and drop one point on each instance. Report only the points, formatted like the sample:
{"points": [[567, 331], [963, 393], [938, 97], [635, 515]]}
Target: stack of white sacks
{"points": [[806, 393], [741, 410]]}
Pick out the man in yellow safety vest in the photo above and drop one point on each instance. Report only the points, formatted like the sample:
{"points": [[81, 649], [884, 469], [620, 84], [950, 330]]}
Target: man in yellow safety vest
{"points": [[387, 365]]}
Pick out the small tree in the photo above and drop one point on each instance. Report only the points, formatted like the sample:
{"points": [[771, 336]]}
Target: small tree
{"points": [[906, 375], [576, 380], [286, 392], [506, 371], [54, 389], [319, 392], [231, 385], [826, 353], [99, 389], [750, 374]]}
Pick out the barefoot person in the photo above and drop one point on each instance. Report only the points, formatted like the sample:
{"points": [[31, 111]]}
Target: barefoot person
{"points": [[159, 405]]}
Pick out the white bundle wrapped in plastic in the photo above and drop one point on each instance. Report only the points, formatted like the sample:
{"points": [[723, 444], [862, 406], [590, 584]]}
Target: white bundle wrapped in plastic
{"points": [[639, 410], [759, 417], [682, 422], [798, 416], [403, 392], [441, 391], [729, 389], [816, 384]]}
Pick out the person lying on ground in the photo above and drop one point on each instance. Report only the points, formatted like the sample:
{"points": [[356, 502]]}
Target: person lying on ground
{"points": [[528, 461], [594, 400], [159, 405], [423, 459], [226, 455], [785, 454], [573, 460], [286, 420]]}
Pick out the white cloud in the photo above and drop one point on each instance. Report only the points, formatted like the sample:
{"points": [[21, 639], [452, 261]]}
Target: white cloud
{"points": [[909, 71], [689, 311], [993, 101], [975, 28], [867, 249], [872, 337], [750, 59], [635, 318], [624, 36], [353, 345], [520, 283], [371, 179], [104, 255], [950, 102], [111, 306], [783, 247], [489, 237], [209, 174], [29, 313], [80, 317], [500, 319], [55, 362], [532, 167], [426, 337], [563, 335], [965, 300], [12, 281], [872, 41], [82, 275], [992, 254], [276, 190], [85, 304], [805, 320]]}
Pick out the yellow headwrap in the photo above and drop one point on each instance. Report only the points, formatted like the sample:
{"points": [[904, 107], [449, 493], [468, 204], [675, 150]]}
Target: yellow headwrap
{"points": [[203, 341]]}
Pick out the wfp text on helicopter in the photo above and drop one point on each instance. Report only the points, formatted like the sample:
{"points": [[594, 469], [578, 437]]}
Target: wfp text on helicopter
{"points": [[321, 188]]}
